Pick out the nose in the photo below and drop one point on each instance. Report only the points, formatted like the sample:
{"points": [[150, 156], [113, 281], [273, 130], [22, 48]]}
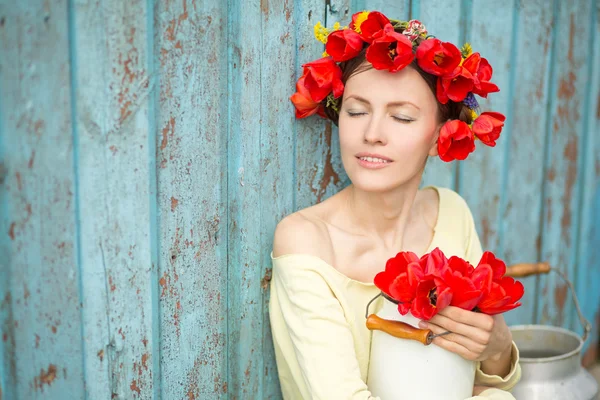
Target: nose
{"points": [[373, 133]]}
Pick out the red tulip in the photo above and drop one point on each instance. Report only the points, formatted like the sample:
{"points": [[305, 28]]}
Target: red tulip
{"points": [[372, 26], [497, 265], [456, 141], [322, 77], [465, 294], [390, 50], [455, 86], [434, 262], [481, 72], [430, 298], [487, 127], [305, 106], [503, 296], [343, 45], [394, 268], [437, 57]]}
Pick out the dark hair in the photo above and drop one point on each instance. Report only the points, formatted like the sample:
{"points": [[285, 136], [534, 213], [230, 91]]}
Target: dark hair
{"points": [[450, 110]]}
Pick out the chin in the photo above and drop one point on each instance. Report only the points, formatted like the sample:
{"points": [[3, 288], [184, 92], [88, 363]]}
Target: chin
{"points": [[375, 184]]}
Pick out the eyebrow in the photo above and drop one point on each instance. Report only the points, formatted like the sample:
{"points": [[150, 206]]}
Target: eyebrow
{"points": [[391, 104]]}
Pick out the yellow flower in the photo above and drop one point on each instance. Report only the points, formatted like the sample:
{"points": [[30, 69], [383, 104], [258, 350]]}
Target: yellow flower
{"points": [[466, 50], [362, 17], [324, 54], [473, 115], [321, 33]]}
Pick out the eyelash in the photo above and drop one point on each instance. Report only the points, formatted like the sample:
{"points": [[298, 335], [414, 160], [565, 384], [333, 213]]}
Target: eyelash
{"points": [[401, 120]]}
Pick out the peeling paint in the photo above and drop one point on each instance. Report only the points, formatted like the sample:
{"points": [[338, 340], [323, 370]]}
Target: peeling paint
{"points": [[45, 377]]}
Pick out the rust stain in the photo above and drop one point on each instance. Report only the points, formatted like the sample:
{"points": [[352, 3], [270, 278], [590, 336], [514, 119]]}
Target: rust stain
{"points": [[113, 287], [329, 173], [570, 153], [19, 182], [174, 203], [145, 361], [572, 34], [551, 174], [264, 6], [45, 377], [486, 232], [113, 148], [101, 355], [560, 297], [121, 333], [288, 11], [31, 159], [566, 88], [593, 352], [11, 231], [163, 283], [53, 328], [134, 387], [37, 341], [166, 132], [264, 283]]}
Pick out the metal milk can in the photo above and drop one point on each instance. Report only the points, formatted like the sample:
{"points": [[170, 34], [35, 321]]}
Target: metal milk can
{"points": [[551, 356], [405, 369]]}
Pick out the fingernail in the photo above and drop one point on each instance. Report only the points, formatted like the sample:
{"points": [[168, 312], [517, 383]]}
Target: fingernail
{"points": [[423, 325]]}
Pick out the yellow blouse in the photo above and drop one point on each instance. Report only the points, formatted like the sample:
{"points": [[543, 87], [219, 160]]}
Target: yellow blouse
{"points": [[317, 317]]}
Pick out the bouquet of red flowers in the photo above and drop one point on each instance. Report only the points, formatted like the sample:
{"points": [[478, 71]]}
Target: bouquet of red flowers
{"points": [[426, 285]]}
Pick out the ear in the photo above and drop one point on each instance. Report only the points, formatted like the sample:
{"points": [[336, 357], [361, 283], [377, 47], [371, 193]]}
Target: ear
{"points": [[433, 149]]}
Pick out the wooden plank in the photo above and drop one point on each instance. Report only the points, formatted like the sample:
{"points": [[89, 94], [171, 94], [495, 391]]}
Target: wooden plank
{"points": [[588, 251], [483, 189], [565, 146], [276, 172], [519, 215], [191, 47], [443, 20], [41, 306], [115, 144], [318, 170]]}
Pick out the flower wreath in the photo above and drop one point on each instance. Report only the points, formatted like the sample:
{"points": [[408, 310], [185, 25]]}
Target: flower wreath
{"points": [[392, 45]]}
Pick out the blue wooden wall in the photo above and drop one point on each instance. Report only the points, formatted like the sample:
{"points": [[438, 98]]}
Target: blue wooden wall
{"points": [[148, 149]]}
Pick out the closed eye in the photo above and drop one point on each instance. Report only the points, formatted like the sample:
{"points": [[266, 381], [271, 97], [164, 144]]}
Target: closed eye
{"points": [[356, 114], [403, 120]]}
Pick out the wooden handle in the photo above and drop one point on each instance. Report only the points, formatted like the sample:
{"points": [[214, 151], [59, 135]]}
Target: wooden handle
{"points": [[527, 269], [399, 329]]}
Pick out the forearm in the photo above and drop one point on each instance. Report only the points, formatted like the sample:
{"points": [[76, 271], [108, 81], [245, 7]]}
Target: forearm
{"points": [[499, 365]]}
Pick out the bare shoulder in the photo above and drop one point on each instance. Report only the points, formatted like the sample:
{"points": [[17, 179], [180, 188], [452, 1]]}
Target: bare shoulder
{"points": [[304, 233]]}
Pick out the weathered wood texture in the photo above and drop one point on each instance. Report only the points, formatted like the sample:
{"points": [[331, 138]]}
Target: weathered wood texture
{"points": [[148, 149]]}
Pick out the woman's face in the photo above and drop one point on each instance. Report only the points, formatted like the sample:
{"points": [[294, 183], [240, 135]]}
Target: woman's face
{"points": [[388, 126]]}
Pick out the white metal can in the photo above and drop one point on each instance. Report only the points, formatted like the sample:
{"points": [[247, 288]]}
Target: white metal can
{"points": [[406, 369]]}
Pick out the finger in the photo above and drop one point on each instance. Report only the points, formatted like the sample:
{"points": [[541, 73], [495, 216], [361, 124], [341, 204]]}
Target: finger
{"points": [[464, 341], [472, 332], [455, 348], [479, 320]]}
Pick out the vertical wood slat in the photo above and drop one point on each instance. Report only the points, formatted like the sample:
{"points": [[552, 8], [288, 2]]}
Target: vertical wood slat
{"points": [[192, 58], [482, 190], [588, 251], [318, 172], [520, 210], [443, 20], [41, 330], [112, 97], [565, 146]]}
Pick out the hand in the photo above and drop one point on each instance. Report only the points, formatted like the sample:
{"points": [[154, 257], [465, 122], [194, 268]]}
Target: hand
{"points": [[478, 389], [475, 336]]}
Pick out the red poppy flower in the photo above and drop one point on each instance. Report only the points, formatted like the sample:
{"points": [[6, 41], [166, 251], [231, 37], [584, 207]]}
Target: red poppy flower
{"points": [[395, 267], [456, 141], [481, 72], [455, 86], [503, 296], [487, 127], [430, 298], [305, 106], [322, 77], [390, 50], [343, 45], [437, 57], [372, 26]]}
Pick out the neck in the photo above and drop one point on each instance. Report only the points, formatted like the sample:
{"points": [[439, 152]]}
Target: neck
{"points": [[384, 215]]}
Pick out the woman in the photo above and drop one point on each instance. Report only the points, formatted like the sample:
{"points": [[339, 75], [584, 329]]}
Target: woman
{"points": [[392, 117]]}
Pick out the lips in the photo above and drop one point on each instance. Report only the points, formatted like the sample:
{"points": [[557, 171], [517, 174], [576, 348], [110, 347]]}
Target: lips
{"points": [[373, 158]]}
